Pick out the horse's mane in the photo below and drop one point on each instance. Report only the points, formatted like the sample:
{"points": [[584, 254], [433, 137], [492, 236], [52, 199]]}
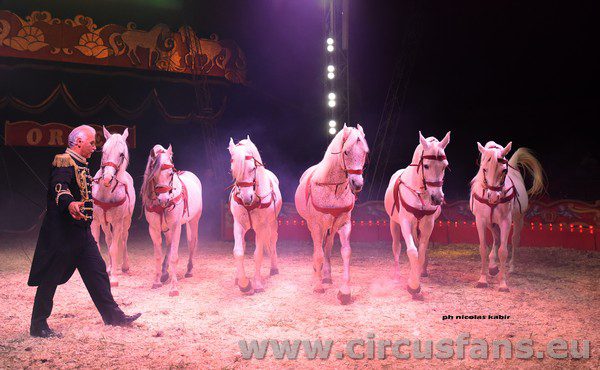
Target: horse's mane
{"points": [[332, 155], [111, 143], [491, 156], [152, 167]]}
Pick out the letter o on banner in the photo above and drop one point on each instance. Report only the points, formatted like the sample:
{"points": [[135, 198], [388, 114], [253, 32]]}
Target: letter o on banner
{"points": [[34, 136]]}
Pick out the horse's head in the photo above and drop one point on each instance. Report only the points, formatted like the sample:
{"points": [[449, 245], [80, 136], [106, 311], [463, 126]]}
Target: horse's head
{"points": [[245, 166], [493, 168], [115, 155], [351, 146], [430, 160], [162, 172]]}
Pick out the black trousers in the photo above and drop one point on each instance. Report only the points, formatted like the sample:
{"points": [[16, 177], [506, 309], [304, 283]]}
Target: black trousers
{"points": [[92, 269]]}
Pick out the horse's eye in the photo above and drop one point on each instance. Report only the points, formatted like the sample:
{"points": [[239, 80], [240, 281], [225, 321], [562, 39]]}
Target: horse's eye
{"points": [[346, 152], [505, 170], [426, 166]]}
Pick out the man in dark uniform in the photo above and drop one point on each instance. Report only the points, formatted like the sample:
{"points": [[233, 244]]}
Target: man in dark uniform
{"points": [[65, 242]]}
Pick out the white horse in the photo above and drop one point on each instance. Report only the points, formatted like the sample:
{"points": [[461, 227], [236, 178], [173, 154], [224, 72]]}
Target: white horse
{"points": [[114, 200], [499, 198], [170, 199], [255, 202], [325, 199], [413, 201]]}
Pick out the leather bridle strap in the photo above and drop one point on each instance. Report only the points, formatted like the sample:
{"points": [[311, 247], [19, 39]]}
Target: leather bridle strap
{"points": [[431, 157]]}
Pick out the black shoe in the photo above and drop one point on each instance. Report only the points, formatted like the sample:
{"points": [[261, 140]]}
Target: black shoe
{"points": [[125, 320], [44, 333]]}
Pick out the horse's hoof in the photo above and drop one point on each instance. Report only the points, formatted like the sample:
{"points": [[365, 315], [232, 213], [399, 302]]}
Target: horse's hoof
{"points": [[424, 274], [415, 293], [156, 286], [319, 290], [493, 271], [247, 289], [327, 281], [344, 298], [189, 274], [481, 285], [503, 289], [173, 293], [164, 277], [114, 284], [274, 271], [259, 290]]}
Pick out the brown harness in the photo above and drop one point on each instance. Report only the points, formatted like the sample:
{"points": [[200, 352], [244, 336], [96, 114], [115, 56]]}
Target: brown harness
{"points": [[418, 213], [259, 203], [505, 198], [161, 189], [106, 206]]}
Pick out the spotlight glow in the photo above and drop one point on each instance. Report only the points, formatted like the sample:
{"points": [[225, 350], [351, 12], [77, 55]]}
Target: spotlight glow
{"points": [[331, 103], [332, 131], [331, 96], [331, 75], [332, 123], [330, 48], [329, 41], [330, 68]]}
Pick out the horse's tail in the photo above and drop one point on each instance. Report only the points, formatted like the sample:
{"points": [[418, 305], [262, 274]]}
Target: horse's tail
{"points": [[116, 42], [525, 158]]}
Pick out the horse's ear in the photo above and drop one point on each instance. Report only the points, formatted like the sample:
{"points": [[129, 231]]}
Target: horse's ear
{"points": [[360, 129], [507, 149], [106, 133], [481, 148], [248, 138], [445, 141], [125, 133], [423, 142], [170, 149], [231, 146], [344, 126], [152, 153]]}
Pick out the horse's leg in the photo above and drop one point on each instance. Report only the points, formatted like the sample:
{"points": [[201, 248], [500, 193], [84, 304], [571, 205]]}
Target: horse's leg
{"points": [[317, 237], [261, 237], [516, 239], [191, 232], [108, 237], [273, 248], [165, 264], [114, 253], [426, 230], [503, 253], [481, 226], [396, 247], [493, 268], [123, 247], [156, 236], [175, 231], [327, 260], [346, 251], [239, 247], [96, 233], [414, 286]]}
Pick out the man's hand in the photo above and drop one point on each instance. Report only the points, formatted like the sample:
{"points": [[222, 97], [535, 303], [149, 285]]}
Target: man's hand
{"points": [[75, 210]]}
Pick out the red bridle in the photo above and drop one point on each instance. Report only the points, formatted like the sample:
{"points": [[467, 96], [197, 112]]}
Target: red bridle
{"points": [[242, 184], [500, 187], [431, 157]]}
